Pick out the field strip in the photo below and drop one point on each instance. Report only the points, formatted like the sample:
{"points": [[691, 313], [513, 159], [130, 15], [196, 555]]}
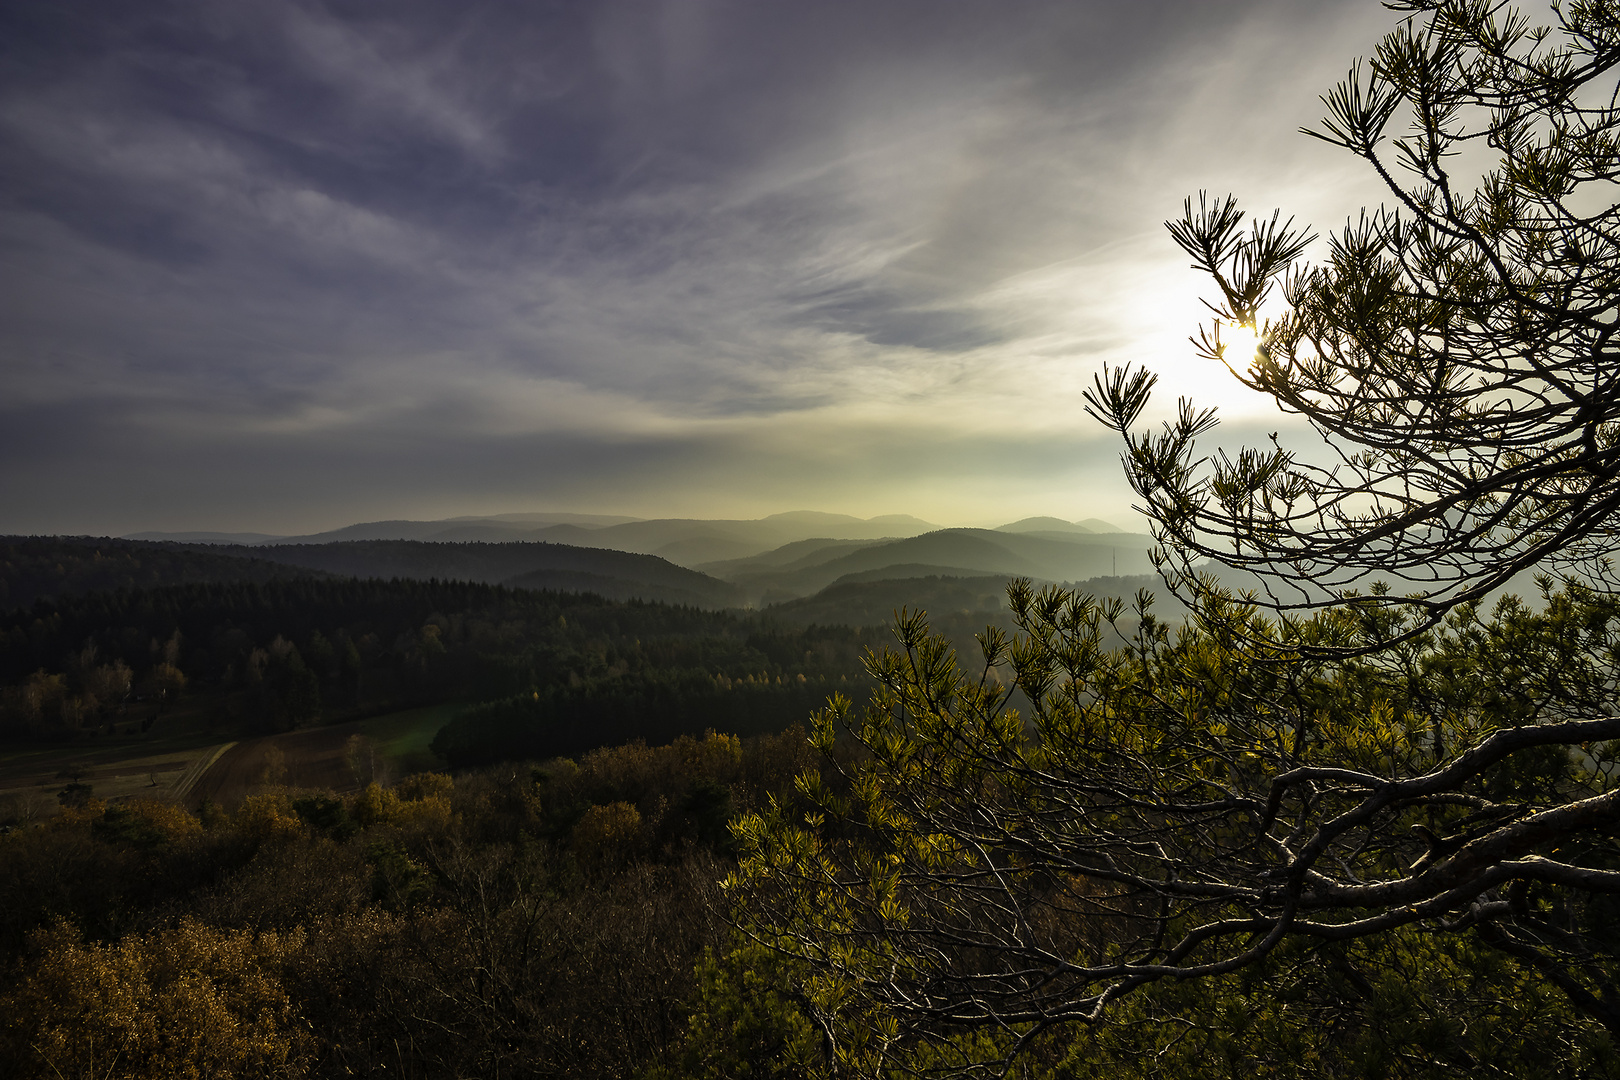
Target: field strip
{"points": [[195, 773]]}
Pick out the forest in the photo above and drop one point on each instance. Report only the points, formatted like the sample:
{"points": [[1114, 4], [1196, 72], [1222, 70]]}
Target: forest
{"points": [[574, 840], [281, 653], [538, 920], [701, 903]]}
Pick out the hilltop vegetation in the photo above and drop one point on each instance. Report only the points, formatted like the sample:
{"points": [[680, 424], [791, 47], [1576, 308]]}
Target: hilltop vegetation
{"points": [[806, 567], [687, 541], [283, 654], [305, 922], [740, 563], [262, 644], [34, 568], [45, 567], [562, 918], [536, 565], [545, 921]]}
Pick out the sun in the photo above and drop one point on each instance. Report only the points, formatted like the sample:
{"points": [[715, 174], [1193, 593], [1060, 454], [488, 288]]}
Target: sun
{"points": [[1241, 344]]}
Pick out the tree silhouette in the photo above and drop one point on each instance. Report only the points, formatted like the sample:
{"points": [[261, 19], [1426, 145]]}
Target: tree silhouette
{"points": [[1457, 349]]}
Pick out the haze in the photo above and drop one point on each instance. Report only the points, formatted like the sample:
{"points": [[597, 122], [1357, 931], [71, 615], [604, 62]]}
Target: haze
{"points": [[285, 266]]}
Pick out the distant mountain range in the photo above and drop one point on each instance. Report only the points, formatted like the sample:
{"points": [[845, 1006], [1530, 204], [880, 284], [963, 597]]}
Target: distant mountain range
{"points": [[957, 607], [674, 571], [689, 542], [46, 568], [796, 569], [1052, 524], [761, 563], [617, 575], [808, 566]]}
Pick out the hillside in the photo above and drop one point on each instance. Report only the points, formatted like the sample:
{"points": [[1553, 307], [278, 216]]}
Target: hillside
{"points": [[687, 541], [53, 567], [731, 549], [795, 556], [35, 568], [619, 574], [577, 670], [874, 603], [1044, 556], [864, 600]]}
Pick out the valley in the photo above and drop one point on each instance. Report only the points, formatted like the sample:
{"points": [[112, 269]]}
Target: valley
{"points": [[255, 626]]}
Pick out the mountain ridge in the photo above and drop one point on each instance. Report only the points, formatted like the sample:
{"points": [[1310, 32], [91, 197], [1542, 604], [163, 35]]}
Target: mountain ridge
{"points": [[1046, 556], [695, 543]]}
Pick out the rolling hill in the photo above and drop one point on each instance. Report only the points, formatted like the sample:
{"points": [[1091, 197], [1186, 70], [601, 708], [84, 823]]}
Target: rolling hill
{"points": [[804, 569], [709, 562], [54, 567], [689, 542], [51, 567], [619, 574]]}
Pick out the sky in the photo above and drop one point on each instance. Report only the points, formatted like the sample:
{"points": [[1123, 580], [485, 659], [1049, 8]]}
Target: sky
{"points": [[283, 266]]}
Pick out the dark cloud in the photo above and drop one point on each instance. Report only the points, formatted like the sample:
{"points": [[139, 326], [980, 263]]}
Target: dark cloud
{"points": [[268, 259]]}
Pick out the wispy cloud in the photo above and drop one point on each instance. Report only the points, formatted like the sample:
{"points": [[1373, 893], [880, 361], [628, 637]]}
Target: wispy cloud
{"points": [[625, 255]]}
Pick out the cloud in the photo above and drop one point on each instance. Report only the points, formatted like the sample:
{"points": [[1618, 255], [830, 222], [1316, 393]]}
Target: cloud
{"points": [[737, 254]]}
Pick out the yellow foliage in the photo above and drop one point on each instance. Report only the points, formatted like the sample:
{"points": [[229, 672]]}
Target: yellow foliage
{"points": [[372, 805], [192, 1003], [425, 785], [92, 810], [607, 834], [172, 820], [431, 813], [637, 767], [717, 747], [420, 801], [267, 817]]}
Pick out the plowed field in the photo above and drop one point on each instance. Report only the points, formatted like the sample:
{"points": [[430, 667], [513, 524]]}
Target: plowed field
{"points": [[192, 768]]}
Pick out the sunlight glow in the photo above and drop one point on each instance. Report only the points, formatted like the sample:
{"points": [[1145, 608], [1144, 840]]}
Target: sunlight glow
{"points": [[1241, 344]]}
